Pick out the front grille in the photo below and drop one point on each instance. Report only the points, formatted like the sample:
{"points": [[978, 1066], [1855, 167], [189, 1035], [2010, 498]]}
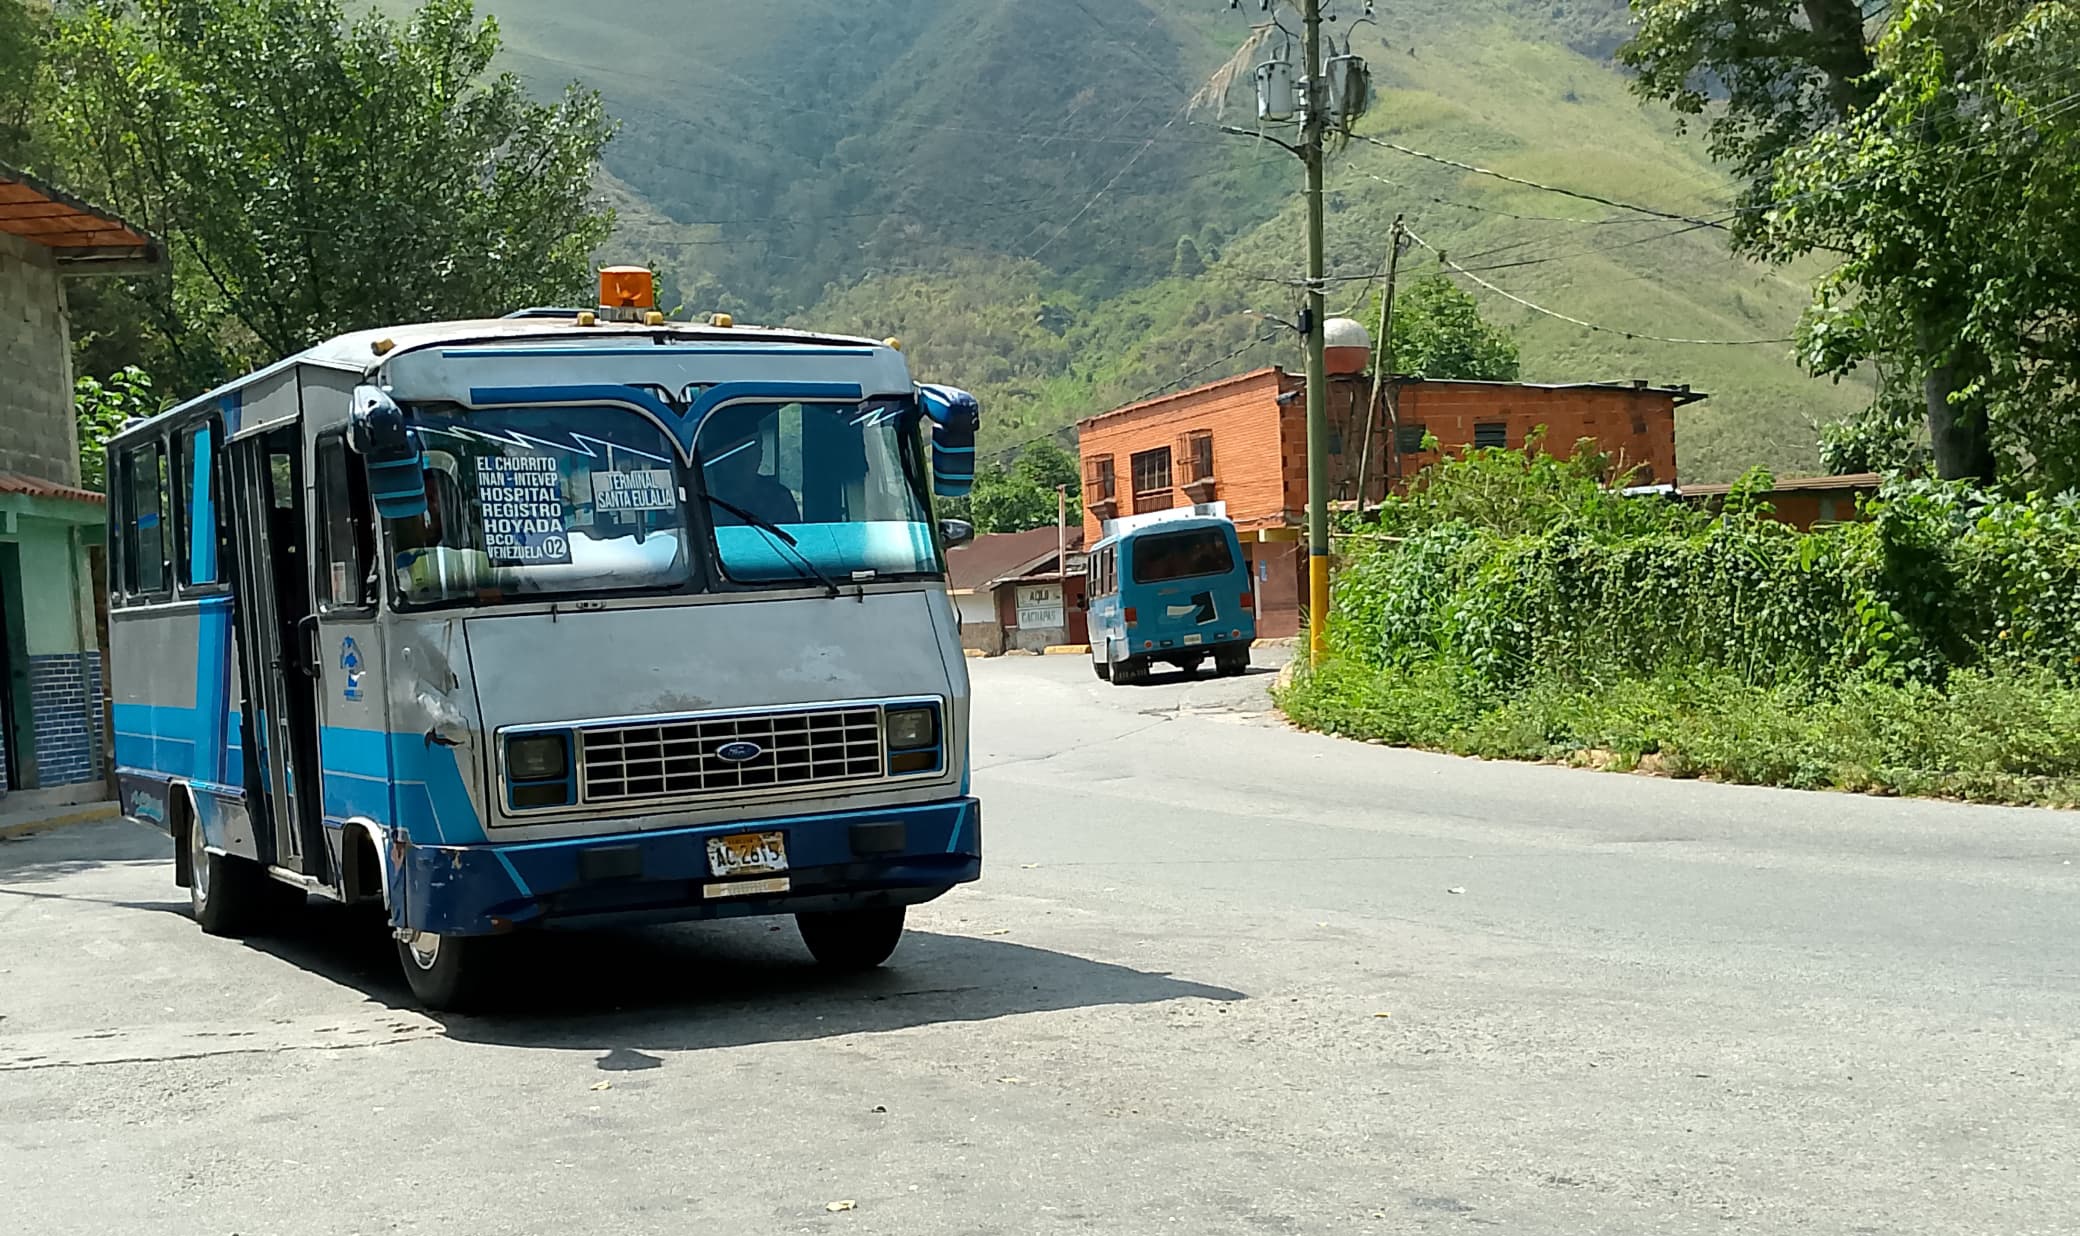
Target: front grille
{"points": [[680, 759]]}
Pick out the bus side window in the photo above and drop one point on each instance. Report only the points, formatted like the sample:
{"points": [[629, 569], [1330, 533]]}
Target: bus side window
{"points": [[144, 522], [346, 530], [196, 467]]}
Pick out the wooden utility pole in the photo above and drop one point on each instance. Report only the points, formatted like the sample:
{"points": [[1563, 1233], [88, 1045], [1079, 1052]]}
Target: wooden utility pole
{"points": [[1383, 366], [1061, 538], [1315, 126]]}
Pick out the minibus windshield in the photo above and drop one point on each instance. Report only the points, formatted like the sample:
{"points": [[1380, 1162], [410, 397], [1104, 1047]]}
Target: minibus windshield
{"points": [[800, 490], [533, 501]]}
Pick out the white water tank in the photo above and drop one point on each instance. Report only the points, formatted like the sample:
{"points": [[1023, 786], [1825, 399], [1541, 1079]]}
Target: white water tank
{"points": [[1346, 346]]}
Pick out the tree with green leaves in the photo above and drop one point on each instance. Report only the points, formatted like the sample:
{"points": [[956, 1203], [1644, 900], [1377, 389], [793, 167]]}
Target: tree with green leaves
{"points": [[1439, 333], [1949, 205], [1024, 496], [1933, 153], [102, 409], [21, 52], [314, 174]]}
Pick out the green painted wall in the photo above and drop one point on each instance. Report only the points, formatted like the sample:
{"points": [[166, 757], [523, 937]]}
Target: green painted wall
{"points": [[55, 601]]}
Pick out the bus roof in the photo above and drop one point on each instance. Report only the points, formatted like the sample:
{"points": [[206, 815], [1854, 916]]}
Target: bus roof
{"points": [[1186, 523], [356, 352]]}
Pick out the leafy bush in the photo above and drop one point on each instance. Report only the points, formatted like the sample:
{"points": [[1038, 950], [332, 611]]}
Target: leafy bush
{"points": [[1514, 605]]}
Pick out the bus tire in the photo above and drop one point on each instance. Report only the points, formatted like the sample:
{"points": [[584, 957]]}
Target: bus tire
{"points": [[1132, 670], [1103, 669], [449, 974], [1231, 664], [230, 896], [850, 941]]}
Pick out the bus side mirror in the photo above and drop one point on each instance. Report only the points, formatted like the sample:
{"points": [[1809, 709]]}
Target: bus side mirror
{"points": [[956, 532], [380, 435], [955, 416]]}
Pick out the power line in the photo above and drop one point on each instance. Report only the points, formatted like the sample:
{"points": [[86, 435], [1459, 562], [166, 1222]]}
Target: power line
{"points": [[1216, 363], [1488, 210], [1610, 330], [1519, 180]]}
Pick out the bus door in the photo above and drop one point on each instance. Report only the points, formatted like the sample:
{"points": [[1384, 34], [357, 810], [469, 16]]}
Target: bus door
{"points": [[346, 646], [274, 622]]}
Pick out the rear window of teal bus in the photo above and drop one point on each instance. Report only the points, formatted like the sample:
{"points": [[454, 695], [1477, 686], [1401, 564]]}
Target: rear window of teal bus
{"points": [[1182, 555]]}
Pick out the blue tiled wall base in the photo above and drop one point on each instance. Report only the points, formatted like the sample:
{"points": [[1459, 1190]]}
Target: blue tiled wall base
{"points": [[65, 690]]}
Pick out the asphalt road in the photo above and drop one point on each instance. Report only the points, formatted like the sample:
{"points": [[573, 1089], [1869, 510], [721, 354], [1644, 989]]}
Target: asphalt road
{"points": [[1218, 977]]}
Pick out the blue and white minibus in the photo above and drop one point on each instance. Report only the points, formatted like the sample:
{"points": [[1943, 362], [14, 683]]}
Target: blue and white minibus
{"points": [[550, 621]]}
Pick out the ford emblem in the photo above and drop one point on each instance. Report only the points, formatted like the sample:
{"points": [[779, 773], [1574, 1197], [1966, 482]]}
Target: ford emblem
{"points": [[740, 752]]}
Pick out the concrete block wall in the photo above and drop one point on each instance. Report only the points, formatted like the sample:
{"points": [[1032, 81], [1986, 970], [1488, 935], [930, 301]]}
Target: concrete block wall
{"points": [[38, 436]]}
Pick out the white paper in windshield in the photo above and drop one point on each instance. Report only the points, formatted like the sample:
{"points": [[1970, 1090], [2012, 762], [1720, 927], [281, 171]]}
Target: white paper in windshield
{"points": [[522, 510], [652, 489]]}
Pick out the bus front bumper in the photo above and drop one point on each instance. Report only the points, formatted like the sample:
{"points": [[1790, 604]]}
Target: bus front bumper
{"points": [[835, 861]]}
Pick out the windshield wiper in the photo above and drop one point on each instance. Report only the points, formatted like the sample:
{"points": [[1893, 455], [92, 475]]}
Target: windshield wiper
{"points": [[781, 535]]}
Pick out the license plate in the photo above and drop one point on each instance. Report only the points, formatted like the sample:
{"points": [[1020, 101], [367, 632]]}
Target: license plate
{"points": [[1193, 639], [747, 854]]}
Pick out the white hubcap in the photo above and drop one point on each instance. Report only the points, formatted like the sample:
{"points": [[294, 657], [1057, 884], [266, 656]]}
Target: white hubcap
{"points": [[198, 865]]}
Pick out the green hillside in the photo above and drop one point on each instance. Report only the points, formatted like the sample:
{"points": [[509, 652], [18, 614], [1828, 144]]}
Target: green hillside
{"points": [[1005, 183]]}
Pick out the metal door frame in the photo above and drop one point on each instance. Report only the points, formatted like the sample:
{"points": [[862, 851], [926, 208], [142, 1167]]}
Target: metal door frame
{"points": [[272, 670]]}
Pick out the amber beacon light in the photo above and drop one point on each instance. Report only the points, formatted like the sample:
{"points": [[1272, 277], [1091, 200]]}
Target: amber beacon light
{"points": [[626, 293]]}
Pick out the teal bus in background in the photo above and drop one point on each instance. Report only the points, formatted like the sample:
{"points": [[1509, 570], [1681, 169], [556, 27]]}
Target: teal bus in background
{"points": [[1173, 589]]}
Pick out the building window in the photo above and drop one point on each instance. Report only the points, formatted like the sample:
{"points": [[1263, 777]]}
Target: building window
{"points": [[1491, 434], [1408, 439], [197, 468], [1098, 484], [144, 521], [346, 529], [1195, 457], [1152, 471]]}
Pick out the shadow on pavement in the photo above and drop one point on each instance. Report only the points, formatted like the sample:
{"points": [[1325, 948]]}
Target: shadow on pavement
{"points": [[724, 984], [77, 848]]}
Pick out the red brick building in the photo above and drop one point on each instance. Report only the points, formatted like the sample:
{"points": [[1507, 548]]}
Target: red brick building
{"points": [[1242, 442], [1803, 502]]}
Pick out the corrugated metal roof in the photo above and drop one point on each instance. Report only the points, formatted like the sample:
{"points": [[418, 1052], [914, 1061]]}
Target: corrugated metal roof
{"points": [[37, 487], [1796, 484], [79, 234], [997, 556]]}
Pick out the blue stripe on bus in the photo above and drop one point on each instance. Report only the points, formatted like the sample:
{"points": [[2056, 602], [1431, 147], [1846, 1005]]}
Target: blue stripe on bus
{"points": [[212, 686], [202, 519], [393, 779]]}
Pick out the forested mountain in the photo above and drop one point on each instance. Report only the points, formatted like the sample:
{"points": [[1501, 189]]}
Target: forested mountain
{"points": [[1016, 189]]}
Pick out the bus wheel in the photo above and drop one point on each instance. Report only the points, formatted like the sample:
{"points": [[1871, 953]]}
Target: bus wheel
{"points": [[448, 973], [1103, 669], [1231, 664], [1131, 670], [232, 896], [849, 941]]}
